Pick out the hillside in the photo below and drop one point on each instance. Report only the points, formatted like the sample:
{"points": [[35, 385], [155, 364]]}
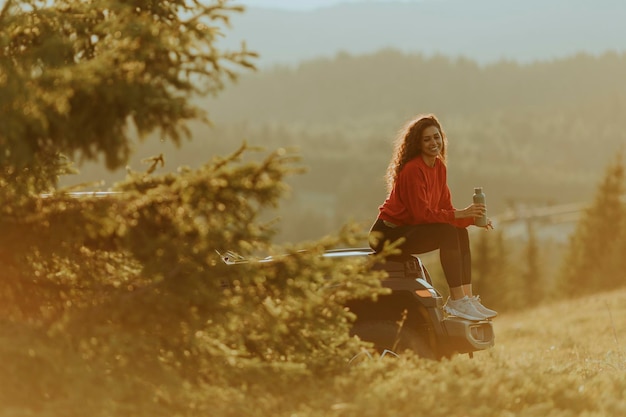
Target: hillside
{"points": [[589, 331], [389, 86], [482, 30], [565, 358], [562, 359]]}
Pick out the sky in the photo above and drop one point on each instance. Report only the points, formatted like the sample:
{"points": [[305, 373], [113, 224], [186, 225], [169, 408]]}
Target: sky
{"points": [[308, 4]]}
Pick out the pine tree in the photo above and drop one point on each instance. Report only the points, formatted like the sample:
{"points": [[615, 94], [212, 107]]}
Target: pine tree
{"points": [[589, 264], [120, 304], [615, 275], [85, 77]]}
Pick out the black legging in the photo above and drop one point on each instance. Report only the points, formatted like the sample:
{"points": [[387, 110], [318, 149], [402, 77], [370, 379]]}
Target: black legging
{"points": [[452, 242]]}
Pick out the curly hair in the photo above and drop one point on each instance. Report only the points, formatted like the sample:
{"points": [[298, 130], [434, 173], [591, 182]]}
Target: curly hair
{"points": [[407, 145]]}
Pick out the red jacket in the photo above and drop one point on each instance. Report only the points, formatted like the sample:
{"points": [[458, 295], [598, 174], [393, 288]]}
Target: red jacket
{"points": [[421, 195]]}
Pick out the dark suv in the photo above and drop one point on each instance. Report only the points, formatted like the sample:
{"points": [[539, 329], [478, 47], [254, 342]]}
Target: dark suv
{"points": [[411, 316]]}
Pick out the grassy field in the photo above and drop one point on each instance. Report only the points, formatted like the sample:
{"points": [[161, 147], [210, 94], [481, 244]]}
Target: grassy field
{"points": [[562, 359]]}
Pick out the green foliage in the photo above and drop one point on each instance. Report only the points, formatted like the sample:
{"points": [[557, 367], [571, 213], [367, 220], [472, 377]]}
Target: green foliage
{"points": [[128, 294], [76, 76], [118, 304], [594, 258]]}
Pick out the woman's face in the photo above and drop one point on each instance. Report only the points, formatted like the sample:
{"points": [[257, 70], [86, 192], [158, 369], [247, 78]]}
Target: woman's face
{"points": [[431, 142]]}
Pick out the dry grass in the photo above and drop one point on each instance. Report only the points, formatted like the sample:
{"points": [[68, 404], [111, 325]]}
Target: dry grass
{"points": [[587, 333], [561, 359]]}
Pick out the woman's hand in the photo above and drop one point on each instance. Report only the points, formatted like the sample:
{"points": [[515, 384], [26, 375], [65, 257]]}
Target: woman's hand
{"points": [[474, 210], [488, 226]]}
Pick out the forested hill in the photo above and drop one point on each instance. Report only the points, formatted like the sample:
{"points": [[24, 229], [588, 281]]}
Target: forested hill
{"points": [[482, 30], [566, 116], [389, 83], [539, 133]]}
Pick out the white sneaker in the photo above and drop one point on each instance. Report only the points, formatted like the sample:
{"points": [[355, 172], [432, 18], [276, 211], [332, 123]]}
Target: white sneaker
{"points": [[464, 308], [488, 313]]}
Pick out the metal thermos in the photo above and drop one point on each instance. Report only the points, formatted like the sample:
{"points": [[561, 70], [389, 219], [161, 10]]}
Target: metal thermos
{"points": [[479, 198]]}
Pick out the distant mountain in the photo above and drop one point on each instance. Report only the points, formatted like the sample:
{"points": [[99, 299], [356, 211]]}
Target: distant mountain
{"points": [[482, 30]]}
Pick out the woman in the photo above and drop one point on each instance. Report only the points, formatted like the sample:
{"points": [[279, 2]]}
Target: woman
{"points": [[419, 209]]}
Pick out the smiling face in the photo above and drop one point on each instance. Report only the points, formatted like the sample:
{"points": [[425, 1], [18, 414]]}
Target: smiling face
{"points": [[431, 144]]}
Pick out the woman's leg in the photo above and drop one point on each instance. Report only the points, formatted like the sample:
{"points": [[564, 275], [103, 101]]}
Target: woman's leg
{"points": [[446, 238], [466, 262], [467, 276], [452, 242], [454, 253]]}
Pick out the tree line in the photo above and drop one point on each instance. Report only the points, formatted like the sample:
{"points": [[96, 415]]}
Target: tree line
{"points": [[520, 131], [519, 275]]}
